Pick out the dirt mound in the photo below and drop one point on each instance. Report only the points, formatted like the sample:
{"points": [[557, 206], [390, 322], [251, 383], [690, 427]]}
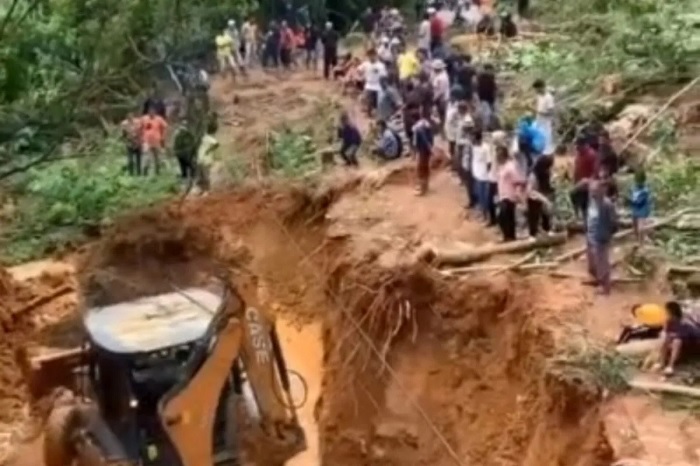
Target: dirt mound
{"points": [[19, 319], [470, 379], [268, 231]]}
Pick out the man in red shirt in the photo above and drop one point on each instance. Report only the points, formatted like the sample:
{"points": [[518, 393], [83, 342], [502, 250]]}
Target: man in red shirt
{"points": [[585, 169], [437, 30], [287, 39]]}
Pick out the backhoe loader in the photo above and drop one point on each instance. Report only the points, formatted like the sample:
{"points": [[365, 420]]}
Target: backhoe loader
{"points": [[190, 378]]}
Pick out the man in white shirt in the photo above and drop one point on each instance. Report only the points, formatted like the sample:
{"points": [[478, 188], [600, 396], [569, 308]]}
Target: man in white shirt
{"points": [[424, 33], [545, 115], [249, 31], [373, 71], [480, 172], [441, 89]]}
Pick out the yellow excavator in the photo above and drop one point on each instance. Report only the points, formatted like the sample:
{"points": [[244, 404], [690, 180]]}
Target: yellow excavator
{"points": [[194, 377]]}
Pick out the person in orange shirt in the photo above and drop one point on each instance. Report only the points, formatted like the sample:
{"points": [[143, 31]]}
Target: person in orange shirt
{"points": [[153, 128]]}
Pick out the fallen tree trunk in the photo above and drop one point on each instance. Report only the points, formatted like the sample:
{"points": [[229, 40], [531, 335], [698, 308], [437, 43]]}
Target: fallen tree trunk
{"points": [[498, 268], [440, 257], [664, 387]]}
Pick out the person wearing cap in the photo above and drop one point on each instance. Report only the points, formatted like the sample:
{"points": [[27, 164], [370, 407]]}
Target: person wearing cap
{"points": [[441, 89], [389, 143], [373, 71], [330, 40]]}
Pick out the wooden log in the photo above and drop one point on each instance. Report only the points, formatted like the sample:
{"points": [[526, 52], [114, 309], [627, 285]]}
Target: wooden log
{"points": [[639, 347], [495, 267], [683, 270], [522, 261], [585, 278], [664, 387], [464, 257], [45, 299]]}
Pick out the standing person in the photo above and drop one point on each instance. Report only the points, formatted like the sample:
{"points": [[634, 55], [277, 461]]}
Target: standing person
{"points": [[423, 143], [131, 134], [286, 45], [313, 36], [602, 224], [464, 76], [350, 140], [368, 20], [466, 153], [185, 149], [389, 101], [545, 115], [373, 71], [441, 90], [411, 109], [585, 170], [424, 33], [437, 31], [425, 90], [330, 49], [206, 154], [271, 53], [510, 184], [640, 204], [456, 110], [487, 91], [493, 145], [250, 37], [235, 36], [480, 170], [153, 128], [224, 53], [540, 194]]}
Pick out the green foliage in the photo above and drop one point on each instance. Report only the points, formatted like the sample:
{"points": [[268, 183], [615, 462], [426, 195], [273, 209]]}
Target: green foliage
{"points": [[292, 153], [67, 197]]}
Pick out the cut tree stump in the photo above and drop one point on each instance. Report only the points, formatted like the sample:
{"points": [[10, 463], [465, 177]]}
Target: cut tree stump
{"points": [[440, 257]]}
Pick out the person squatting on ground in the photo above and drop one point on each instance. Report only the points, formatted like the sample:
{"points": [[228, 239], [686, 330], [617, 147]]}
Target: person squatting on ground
{"points": [[681, 339], [350, 140], [389, 146], [601, 226]]}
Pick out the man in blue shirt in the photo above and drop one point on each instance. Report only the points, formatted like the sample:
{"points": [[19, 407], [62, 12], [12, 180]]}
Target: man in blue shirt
{"points": [[531, 140], [423, 141], [389, 143]]}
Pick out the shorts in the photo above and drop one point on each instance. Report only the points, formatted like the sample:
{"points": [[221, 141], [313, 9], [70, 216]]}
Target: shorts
{"points": [[371, 98]]}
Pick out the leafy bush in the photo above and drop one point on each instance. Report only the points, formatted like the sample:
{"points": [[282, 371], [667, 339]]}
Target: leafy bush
{"points": [[292, 153], [61, 200]]}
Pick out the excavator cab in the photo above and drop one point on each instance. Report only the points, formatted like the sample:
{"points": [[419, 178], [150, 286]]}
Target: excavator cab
{"points": [[187, 378]]}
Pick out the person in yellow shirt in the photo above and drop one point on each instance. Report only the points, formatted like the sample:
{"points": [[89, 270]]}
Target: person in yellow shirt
{"points": [[408, 64], [224, 53], [649, 321]]}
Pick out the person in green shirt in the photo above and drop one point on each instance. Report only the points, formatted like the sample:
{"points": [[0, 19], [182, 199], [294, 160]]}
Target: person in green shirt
{"points": [[185, 149]]}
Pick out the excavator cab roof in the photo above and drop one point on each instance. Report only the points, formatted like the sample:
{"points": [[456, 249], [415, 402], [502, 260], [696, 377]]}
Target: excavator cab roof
{"points": [[152, 323]]}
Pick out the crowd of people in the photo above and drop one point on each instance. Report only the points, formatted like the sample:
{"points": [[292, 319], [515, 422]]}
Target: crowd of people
{"points": [[418, 97], [149, 138]]}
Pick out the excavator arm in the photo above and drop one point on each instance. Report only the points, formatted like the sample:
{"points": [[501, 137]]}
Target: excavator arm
{"points": [[239, 331]]}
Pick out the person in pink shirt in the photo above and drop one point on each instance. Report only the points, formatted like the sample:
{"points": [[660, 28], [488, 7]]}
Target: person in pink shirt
{"points": [[510, 184]]}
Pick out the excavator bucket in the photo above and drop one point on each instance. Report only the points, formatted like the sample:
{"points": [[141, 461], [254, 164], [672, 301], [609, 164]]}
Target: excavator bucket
{"points": [[46, 369]]}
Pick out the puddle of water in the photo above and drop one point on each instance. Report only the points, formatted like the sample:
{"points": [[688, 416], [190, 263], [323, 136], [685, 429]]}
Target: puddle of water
{"points": [[303, 351]]}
